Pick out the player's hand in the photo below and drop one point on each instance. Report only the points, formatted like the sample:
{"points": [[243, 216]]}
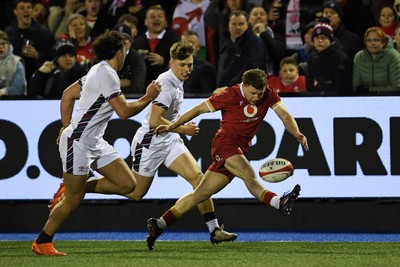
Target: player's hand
{"points": [[161, 129], [192, 129], [302, 140], [153, 90]]}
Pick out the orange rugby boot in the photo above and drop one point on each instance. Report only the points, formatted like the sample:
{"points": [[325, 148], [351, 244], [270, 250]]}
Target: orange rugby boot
{"points": [[46, 249]]}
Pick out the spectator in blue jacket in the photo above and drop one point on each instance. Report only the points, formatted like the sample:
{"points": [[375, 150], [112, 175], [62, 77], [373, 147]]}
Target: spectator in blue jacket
{"points": [[12, 69]]}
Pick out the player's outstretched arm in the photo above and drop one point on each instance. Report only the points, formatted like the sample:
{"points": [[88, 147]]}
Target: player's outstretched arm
{"points": [[291, 125], [186, 117], [126, 110]]}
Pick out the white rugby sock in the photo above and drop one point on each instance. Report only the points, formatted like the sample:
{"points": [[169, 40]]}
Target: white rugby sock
{"points": [[161, 223], [275, 202], [212, 225]]}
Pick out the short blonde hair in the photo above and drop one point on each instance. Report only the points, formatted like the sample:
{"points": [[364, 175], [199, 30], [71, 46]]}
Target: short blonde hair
{"points": [[79, 16]]}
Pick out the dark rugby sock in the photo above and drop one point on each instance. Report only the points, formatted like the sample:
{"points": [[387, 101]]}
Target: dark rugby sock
{"points": [[44, 238]]}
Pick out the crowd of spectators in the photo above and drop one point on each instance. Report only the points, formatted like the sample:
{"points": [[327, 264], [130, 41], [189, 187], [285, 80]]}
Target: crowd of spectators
{"points": [[305, 46]]}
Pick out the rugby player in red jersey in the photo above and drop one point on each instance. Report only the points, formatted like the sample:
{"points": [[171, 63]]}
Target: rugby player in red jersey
{"points": [[243, 108]]}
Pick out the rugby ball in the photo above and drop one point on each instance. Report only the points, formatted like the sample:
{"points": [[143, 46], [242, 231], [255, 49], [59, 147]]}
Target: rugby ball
{"points": [[276, 170]]}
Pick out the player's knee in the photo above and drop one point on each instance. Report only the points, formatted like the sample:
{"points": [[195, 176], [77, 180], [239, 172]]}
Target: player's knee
{"points": [[135, 196], [128, 186], [196, 179], [200, 196]]}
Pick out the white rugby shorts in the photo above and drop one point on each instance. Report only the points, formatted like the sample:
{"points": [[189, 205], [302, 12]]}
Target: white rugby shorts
{"points": [[78, 158], [146, 161]]}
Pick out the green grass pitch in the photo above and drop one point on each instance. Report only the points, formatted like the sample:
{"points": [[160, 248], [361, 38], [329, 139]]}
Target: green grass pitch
{"points": [[182, 254]]}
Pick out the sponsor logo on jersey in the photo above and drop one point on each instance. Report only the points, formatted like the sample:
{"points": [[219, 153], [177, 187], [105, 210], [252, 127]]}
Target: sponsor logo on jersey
{"points": [[250, 110]]}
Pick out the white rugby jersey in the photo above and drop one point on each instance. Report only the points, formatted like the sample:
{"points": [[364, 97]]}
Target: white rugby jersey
{"points": [[93, 112], [170, 99]]}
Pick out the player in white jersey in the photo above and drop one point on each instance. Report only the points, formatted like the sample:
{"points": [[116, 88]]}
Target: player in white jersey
{"points": [[81, 142], [150, 151]]}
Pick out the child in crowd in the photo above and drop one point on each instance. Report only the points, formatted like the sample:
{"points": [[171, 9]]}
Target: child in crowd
{"points": [[289, 80]]}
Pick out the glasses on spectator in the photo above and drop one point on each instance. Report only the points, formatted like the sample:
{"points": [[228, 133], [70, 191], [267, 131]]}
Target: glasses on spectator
{"points": [[373, 40], [4, 43]]}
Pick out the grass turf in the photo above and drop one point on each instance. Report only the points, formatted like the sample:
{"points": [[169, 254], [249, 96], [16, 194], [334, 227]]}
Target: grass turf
{"points": [[178, 253]]}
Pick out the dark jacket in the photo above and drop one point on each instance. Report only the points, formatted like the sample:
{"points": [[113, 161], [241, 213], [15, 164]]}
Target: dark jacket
{"points": [[42, 40], [52, 85], [350, 41], [276, 49], [247, 52], [202, 79], [331, 70], [142, 46], [134, 69]]}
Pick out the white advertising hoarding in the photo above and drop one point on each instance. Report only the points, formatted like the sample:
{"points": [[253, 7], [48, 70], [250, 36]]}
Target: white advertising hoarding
{"points": [[354, 149]]}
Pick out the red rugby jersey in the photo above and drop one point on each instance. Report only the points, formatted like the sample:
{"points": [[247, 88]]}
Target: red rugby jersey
{"points": [[238, 116]]}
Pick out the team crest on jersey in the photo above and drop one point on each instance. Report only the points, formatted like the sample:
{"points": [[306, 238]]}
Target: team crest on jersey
{"points": [[250, 110]]}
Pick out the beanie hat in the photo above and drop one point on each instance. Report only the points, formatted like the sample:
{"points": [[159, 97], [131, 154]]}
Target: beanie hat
{"points": [[335, 6], [65, 47], [124, 30], [323, 28]]}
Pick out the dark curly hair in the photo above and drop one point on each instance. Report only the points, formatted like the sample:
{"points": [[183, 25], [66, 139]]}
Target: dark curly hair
{"points": [[107, 45]]}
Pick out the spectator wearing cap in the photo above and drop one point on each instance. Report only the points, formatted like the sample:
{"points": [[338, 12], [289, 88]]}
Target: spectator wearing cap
{"points": [[329, 67], [349, 41], [133, 73], [12, 69], [376, 68], [50, 80]]}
